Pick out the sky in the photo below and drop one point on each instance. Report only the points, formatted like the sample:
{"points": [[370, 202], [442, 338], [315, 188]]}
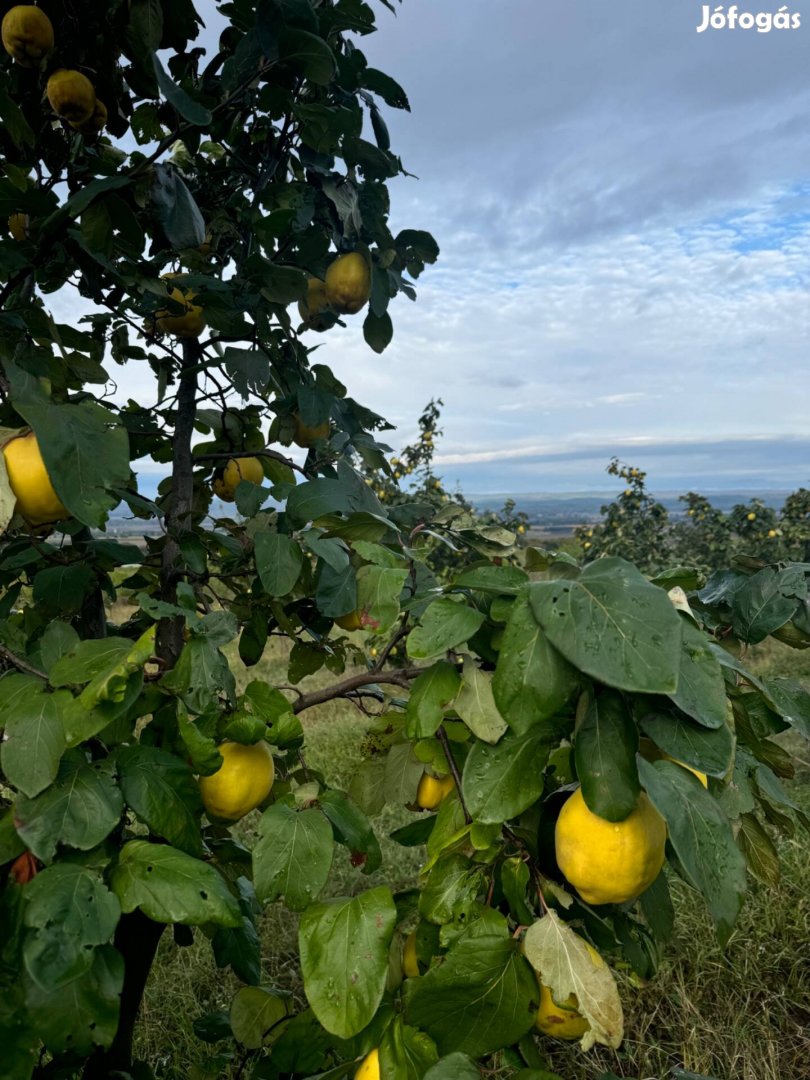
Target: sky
{"points": [[623, 210]]}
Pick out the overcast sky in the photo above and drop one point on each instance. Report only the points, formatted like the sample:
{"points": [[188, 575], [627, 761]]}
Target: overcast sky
{"points": [[623, 210]]}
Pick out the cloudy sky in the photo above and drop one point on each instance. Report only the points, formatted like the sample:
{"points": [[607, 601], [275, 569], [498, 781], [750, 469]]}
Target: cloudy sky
{"points": [[623, 210]]}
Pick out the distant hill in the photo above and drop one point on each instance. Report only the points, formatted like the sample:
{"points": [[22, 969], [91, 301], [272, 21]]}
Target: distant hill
{"points": [[556, 513], [561, 512]]}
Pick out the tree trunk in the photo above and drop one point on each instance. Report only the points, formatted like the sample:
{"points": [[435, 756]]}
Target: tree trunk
{"points": [[137, 937]]}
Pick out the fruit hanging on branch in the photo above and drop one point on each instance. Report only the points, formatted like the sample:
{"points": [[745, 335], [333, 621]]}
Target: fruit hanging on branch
{"points": [[37, 500], [348, 283], [242, 782], [236, 470], [189, 323], [27, 34], [610, 862], [72, 96]]}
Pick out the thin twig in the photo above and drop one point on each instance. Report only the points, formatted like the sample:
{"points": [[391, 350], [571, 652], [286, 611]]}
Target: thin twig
{"points": [[274, 454], [20, 664], [441, 735]]}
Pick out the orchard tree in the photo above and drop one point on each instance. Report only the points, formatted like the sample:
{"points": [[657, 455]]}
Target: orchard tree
{"points": [[558, 732], [635, 525]]}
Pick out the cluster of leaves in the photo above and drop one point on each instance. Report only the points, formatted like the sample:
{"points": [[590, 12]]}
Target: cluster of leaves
{"points": [[523, 673], [638, 527]]}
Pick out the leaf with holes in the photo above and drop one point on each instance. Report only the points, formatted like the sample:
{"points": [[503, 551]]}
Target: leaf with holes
{"points": [[172, 887]]}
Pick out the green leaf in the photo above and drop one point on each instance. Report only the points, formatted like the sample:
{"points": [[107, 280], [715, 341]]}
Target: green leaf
{"points": [[405, 1053], [532, 681], [710, 751], [254, 1013], [766, 601], [344, 947], [475, 703], [499, 782], [336, 590], [378, 330], [451, 889], [162, 791], [791, 700], [482, 997], [293, 855], [146, 22], [614, 625], [453, 1067], [761, 856], [172, 887], [87, 659], [499, 580], [403, 771], [378, 593], [309, 54], [283, 726], [72, 897], [70, 910], [315, 498], [34, 734], [61, 590], [188, 108], [239, 946], [57, 640], [431, 694], [83, 1013], [701, 691], [352, 828], [444, 625], [385, 87], [278, 560], [701, 836], [79, 810], [605, 751]]}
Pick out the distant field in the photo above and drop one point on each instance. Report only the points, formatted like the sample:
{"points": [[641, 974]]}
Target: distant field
{"points": [[744, 1014]]}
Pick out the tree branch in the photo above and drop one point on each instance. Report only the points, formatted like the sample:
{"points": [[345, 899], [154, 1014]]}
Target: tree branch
{"points": [[274, 454], [400, 677], [20, 664], [170, 630]]}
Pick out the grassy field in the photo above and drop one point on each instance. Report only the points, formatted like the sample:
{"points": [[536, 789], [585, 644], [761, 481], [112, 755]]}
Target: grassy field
{"points": [[742, 1014]]}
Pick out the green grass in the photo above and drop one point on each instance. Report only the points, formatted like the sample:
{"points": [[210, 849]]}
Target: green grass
{"points": [[743, 1013]]}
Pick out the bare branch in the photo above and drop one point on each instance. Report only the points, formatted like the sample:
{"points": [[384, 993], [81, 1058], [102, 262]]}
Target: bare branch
{"points": [[20, 664], [400, 677]]}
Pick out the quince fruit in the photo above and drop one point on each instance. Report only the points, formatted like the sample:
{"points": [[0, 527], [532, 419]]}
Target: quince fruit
{"points": [[72, 96], [433, 790], [235, 471], [96, 123], [563, 1021], [27, 34], [369, 1067], [18, 226], [241, 783], [37, 501], [314, 310], [610, 862], [306, 437], [348, 283], [188, 325]]}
